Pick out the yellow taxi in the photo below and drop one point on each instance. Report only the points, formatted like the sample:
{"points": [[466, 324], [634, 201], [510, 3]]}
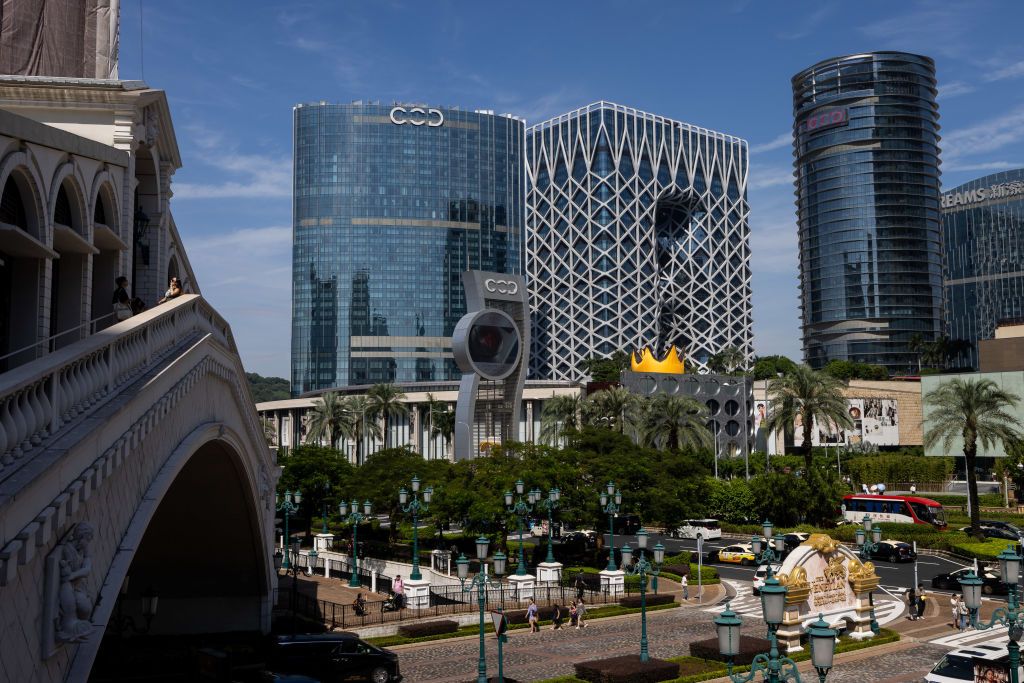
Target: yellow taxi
{"points": [[740, 553]]}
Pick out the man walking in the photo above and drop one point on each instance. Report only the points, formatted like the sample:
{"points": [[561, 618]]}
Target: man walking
{"points": [[686, 588]]}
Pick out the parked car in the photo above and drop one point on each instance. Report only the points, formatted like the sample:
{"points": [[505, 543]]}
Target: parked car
{"points": [[698, 528], [740, 553], [795, 538], [996, 524], [761, 575], [958, 665], [586, 538], [992, 583], [993, 532], [894, 551], [627, 525], [334, 657]]}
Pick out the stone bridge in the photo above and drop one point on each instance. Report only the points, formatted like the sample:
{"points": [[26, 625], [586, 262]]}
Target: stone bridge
{"points": [[135, 453]]}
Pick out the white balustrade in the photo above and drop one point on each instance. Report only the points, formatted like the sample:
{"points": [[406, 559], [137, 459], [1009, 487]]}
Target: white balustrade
{"points": [[37, 398]]}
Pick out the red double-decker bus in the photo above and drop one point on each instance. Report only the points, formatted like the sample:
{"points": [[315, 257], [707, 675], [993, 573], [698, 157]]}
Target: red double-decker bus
{"points": [[893, 509]]}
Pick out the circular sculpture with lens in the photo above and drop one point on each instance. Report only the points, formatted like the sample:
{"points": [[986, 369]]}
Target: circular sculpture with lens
{"points": [[487, 343]]}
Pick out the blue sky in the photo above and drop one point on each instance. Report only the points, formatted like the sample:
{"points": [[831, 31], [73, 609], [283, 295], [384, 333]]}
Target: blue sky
{"points": [[233, 70]]}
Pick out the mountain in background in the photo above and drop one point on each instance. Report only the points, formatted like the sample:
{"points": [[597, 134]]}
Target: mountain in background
{"points": [[268, 388]]}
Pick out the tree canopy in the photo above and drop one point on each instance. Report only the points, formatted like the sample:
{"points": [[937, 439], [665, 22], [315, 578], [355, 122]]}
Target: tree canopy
{"points": [[268, 388]]}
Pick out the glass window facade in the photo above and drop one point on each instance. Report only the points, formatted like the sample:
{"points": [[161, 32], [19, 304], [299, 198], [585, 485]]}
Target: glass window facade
{"points": [[391, 204], [867, 186], [637, 235], [983, 238]]}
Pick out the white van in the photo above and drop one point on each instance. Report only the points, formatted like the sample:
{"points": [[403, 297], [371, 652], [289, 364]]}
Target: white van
{"points": [[699, 528], [960, 666]]}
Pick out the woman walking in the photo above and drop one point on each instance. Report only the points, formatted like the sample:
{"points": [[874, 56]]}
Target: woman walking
{"points": [[531, 617]]}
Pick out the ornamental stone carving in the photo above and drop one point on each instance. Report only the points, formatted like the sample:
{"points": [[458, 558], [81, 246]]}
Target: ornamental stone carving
{"points": [[67, 602]]}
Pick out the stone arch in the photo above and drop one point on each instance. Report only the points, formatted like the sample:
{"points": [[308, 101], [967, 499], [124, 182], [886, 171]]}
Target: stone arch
{"points": [[207, 478], [25, 254], [72, 239], [108, 237]]}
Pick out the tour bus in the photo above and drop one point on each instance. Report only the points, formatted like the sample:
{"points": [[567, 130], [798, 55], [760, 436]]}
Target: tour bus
{"points": [[703, 528], [895, 509]]}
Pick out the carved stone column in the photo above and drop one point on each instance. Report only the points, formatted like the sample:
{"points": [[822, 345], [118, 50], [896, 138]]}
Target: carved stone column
{"points": [[863, 580], [797, 591]]}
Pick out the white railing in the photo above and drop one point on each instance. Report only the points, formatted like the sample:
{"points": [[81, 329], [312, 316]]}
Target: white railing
{"points": [[38, 398]]}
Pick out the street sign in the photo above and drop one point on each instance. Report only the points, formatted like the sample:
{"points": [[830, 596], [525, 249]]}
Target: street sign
{"points": [[500, 623], [700, 544]]}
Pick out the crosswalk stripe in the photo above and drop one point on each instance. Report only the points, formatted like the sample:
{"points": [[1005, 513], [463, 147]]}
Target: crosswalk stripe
{"points": [[993, 636]]}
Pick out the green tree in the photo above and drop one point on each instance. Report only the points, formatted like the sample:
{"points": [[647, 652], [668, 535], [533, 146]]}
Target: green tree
{"points": [[268, 388], [443, 425], [387, 471], [329, 419], [559, 415], [614, 408], [805, 395], [728, 361], [386, 402], [976, 411], [363, 423], [730, 501], [676, 421], [769, 367], [309, 468], [780, 497], [846, 370], [606, 369]]}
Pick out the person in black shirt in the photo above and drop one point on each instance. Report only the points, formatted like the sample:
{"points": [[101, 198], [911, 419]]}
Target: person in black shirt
{"points": [[121, 301]]}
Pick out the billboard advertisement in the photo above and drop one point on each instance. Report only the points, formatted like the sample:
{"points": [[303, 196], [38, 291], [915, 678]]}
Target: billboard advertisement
{"points": [[875, 421]]}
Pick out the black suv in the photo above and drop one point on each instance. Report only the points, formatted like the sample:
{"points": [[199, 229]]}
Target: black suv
{"points": [[331, 657]]}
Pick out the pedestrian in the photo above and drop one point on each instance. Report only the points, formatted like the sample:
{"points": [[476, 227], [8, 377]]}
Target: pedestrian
{"points": [[121, 301], [954, 607], [581, 612], [580, 585], [573, 614], [963, 615], [686, 588], [912, 604], [920, 600], [173, 290], [556, 617], [399, 588], [531, 617]]}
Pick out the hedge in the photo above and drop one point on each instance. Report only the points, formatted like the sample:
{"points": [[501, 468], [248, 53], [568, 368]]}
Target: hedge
{"points": [[634, 600], [627, 669], [428, 628], [750, 647]]}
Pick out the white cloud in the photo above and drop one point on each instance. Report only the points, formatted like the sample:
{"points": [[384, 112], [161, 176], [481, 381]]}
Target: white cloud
{"points": [[246, 275], [987, 136], [954, 89], [986, 166], [808, 24], [763, 177], [783, 140], [1014, 70], [929, 28]]}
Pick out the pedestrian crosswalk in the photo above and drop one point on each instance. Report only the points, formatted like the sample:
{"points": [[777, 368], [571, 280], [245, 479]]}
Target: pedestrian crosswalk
{"points": [[993, 636], [747, 604]]}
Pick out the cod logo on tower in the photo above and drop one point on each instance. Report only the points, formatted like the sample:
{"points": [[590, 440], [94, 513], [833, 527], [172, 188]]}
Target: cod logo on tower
{"points": [[490, 344]]}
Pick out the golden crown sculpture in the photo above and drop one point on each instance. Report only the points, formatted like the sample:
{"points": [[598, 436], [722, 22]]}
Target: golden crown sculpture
{"points": [[646, 362]]}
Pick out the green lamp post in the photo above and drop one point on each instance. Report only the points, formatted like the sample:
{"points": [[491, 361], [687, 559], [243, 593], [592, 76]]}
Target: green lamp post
{"points": [[610, 504], [868, 538], [521, 509], [481, 583], [550, 504], [642, 568], [415, 506], [354, 518], [289, 505], [1009, 616]]}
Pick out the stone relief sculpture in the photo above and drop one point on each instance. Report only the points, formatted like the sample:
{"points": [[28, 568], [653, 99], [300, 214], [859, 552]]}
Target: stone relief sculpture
{"points": [[67, 603]]}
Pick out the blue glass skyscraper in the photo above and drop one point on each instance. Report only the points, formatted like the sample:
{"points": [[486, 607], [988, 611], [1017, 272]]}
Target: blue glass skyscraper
{"points": [[391, 204], [866, 140]]}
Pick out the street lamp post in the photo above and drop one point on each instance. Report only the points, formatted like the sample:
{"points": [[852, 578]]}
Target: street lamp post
{"points": [[521, 509], [642, 568], [773, 546], [773, 667], [868, 538], [415, 506], [354, 518], [610, 504], [1009, 616], [289, 505], [481, 582], [550, 504]]}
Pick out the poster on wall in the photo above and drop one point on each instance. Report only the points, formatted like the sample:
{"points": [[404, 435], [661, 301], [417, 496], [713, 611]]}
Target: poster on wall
{"points": [[875, 421]]}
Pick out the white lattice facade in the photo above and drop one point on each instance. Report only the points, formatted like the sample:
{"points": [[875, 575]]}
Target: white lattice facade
{"points": [[637, 233]]}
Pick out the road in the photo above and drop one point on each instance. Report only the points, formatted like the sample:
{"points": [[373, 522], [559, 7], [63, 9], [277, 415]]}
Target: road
{"points": [[896, 578]]}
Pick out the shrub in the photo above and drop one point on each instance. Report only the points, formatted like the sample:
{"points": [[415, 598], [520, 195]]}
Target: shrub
{"points": [[684, 558], [749, 648], [428, 628], [627, 669], [677, 569], [634, 600]]}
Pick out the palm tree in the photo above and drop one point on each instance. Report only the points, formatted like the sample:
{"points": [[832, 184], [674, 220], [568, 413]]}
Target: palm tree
{"points": [[613, 408], [386, 402], [559, 415], [728, 360], [362, 423], [443, 421], [804, 395], [432, 406], [917, 345], [677, 421], [329, 419], [974, 410]]}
